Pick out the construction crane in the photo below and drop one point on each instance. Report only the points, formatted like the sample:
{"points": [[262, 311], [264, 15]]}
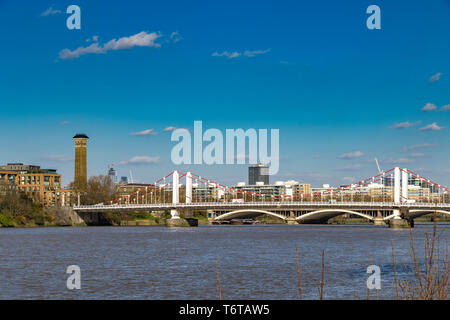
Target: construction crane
{"points": [[381, 172], [131, 177], [378, 165]]}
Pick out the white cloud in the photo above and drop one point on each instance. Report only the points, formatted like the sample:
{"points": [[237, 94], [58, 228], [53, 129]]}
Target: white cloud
{"points": [[229, 55], [50, 11], [419, 155], [404, 125], [64, 123], [141, 39], [352, 167], [429, 107], [67, 54], [255, 52], [446, 108], [397, 161], [351, 155], [147, 132], [436, 77], [432, 127], [175, 37], [141, 160], [236, 54], [419, 146], [171, 128]]}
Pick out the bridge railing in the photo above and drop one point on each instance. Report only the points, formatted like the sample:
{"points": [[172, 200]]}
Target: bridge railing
{"points": [[262, 204]]}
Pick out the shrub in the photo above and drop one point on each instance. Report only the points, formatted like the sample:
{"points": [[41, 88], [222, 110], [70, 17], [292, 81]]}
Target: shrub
{"points": [[142, 215], [430, 279], [39, 220], [6, 221], [112, 218]]}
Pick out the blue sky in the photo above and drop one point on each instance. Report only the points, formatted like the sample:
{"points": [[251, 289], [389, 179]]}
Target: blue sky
{"points": [[340, 94]]}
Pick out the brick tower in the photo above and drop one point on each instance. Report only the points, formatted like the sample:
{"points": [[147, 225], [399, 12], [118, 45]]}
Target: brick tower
{"points": [[80, 181]]}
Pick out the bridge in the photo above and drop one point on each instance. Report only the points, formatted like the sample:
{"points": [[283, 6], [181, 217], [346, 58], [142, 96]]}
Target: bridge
{"points": [[224, 203]]}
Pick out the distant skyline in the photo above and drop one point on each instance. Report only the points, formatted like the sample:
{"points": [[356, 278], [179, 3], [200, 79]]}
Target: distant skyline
{"points": [[340, 94]]}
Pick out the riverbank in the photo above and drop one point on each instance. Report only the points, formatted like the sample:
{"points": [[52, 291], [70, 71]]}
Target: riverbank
{"points": [[36, 216], [64, 217]]}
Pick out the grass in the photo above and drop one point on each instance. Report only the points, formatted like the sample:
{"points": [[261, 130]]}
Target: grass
{"points": [[142, 216]]}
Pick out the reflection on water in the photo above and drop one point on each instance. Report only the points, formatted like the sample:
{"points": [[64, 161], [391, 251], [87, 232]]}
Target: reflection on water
{"points": [[255, 262]]}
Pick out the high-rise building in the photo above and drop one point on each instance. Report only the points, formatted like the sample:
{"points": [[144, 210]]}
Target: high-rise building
{"points": [[258, 173], [80, 181], [112, 173]]}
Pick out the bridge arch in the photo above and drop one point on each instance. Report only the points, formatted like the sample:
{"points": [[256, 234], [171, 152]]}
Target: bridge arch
{"points": [[327, 214], [237, 213], [418, 213]]}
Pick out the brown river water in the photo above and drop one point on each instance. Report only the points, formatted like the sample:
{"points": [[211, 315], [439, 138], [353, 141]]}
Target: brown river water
{"points": [[255, 262]]}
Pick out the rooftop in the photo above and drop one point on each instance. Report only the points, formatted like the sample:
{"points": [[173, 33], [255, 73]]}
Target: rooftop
{"points": [[259, 165], [81, 135]]}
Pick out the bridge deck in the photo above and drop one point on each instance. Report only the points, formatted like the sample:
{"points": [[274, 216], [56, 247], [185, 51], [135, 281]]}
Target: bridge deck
{"points": [[266, 205]]}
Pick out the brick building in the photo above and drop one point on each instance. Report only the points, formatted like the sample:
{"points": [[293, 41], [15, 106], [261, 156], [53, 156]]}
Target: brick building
{"points": [[42, 185]]}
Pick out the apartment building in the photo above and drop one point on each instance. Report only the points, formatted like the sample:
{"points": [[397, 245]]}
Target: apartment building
{"points": [[42, 185]]}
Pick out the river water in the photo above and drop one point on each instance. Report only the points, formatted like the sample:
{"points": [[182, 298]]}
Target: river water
{"points": [[254, 262]]}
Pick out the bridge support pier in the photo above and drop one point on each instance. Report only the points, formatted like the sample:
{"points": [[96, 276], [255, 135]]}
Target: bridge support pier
{"points": [[400, 223], [397, 222], [378, 221], [291, 219], [175, 221]]}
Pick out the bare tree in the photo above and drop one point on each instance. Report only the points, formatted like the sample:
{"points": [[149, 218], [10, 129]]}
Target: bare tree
{"points": [[100, 189]]}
